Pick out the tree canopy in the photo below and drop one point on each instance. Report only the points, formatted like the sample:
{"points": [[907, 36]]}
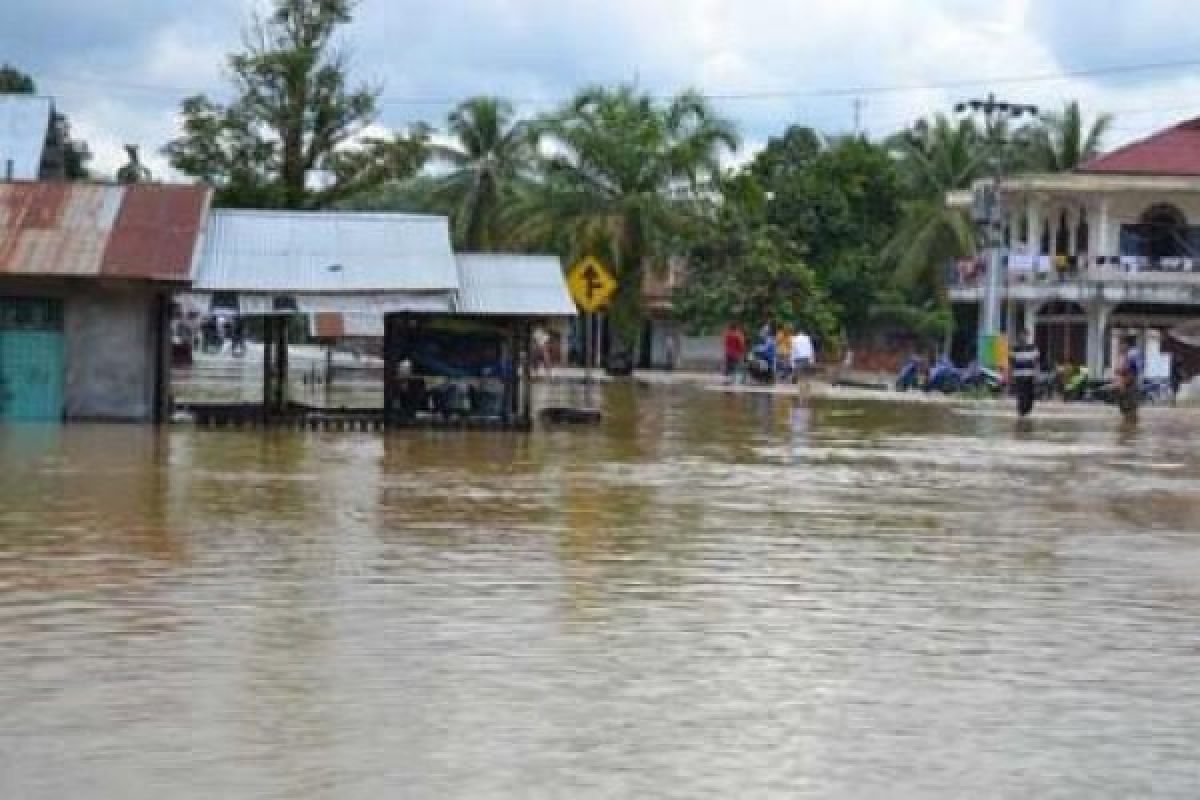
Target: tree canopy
{"points": [[295, 134], [837, 201], [1063, 140], [621, 171], [742, 269], [490, 157]]}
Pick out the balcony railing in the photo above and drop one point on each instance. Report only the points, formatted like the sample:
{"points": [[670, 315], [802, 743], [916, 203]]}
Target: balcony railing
{"points": [[1024, 270]]}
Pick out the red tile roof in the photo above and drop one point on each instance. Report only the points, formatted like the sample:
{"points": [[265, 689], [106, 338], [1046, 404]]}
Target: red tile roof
{"points": [[1175, 151], [146, 232]]}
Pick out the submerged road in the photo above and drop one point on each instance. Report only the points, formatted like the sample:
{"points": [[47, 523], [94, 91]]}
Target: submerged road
{"points": [[711, 595]]}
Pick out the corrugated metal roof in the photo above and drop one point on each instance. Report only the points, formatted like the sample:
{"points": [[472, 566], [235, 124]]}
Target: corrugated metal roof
{"points": [[74, 229], [24, 123], [498, 284], [325, 252]]}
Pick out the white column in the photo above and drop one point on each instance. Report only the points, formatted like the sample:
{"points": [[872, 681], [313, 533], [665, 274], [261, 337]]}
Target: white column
{"points": [[1097, 337], [1033, 213], [1072, 228], [1032, 308], [1104, 238]]}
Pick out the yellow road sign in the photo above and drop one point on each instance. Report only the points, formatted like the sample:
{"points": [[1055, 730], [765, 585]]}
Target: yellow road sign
{"points": [[591, 284]]}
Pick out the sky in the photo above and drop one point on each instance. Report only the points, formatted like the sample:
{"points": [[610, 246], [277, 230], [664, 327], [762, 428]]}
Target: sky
{"points": [[119, 68]]}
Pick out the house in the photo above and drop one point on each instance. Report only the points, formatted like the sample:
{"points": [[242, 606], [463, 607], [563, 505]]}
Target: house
{"points": [[1108, 250], [86, 278]]}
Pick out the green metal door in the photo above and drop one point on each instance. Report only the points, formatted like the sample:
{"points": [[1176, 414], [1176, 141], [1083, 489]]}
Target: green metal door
{"points": [[32, 359]]}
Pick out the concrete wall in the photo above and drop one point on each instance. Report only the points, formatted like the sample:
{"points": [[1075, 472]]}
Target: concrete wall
{"points": [[701, 352], [115, 350]]}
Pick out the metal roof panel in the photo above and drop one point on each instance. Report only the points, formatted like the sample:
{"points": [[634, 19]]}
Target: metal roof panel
{"points": [[502, 284], [331, 252], [75, 229]]}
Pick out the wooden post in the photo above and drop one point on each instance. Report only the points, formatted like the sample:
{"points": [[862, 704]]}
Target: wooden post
{"points": [[268, 364], [281, 358], [526, 373], [160, 342], [389, 366], [512, 381]]}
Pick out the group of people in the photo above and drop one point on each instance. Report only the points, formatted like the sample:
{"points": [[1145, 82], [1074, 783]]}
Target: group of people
{"points": [[1125, 389], [778, 353], [1029, 378]]}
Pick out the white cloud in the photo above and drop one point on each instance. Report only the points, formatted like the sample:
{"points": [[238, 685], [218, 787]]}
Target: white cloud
{"points": [[98, 58]]}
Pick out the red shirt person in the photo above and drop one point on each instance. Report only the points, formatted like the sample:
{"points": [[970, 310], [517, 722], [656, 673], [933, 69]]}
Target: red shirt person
{"points": [[735, 348]]}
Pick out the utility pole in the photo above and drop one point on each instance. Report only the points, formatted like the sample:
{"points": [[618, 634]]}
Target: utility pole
{"points": [[858, 109], [988, 210]]}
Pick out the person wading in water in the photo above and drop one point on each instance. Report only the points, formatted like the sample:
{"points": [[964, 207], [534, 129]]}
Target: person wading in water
{"points": [[1023, 366], [1129, 379]]}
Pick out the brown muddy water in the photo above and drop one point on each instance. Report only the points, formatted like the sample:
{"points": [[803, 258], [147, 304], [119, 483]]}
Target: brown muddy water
{"points": [[708, 596]]}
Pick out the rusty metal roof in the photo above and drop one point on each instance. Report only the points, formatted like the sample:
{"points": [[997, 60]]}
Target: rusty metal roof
{"points": [[146, 232]]}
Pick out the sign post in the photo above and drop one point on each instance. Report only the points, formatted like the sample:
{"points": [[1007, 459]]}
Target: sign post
{"points": [[592, 286]]}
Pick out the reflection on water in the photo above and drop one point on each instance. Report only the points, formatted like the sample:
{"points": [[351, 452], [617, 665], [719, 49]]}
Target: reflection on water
{"points": [[710, 596]]}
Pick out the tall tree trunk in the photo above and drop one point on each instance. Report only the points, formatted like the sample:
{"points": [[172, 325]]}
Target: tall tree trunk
{"points": [[477, 213], [625, 314]]}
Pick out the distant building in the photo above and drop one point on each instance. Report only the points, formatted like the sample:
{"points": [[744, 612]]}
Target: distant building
{"points": [[1110, 249], [33, 141]]}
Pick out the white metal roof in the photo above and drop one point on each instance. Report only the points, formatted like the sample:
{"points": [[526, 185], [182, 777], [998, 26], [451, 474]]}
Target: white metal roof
{"points": [[298, 252], [24, 123], [501, 284]]}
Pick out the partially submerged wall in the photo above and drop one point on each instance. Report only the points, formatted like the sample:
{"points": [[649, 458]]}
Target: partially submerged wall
{"points": [[115, 341], [113, 349]]}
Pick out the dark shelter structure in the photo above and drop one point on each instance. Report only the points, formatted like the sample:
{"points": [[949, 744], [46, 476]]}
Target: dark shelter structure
{"points": [[456, 331]]}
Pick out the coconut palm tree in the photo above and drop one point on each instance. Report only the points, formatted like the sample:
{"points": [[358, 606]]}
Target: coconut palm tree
{"points": [[621, 171], [934, 158], [1063, 141], [490, 156]]}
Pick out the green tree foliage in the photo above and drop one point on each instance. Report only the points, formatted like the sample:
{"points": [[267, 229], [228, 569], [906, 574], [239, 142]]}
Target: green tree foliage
{"points": [[75, 153], [742, 269], [934, 158], [839, 201], [1062, 141], [623, 169], [293, 135], [14, 81], [490, 158]]}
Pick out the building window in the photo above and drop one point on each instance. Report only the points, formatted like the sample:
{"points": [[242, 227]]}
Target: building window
{"points": [[1161, 232]]}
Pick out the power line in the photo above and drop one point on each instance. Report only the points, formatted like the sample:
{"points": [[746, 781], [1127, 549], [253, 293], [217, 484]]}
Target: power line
{"points": [[783, 94]]}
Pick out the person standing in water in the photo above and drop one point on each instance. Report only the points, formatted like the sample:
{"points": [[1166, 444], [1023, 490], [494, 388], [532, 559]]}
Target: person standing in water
{"points": [[1023, 367], [1129, 378]]}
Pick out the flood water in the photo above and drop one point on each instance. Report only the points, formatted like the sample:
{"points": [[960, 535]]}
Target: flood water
{"points": [[709, 596]]}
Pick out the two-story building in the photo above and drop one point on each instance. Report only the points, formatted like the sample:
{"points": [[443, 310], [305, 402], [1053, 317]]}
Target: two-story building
{"points": [[1110, 249]]}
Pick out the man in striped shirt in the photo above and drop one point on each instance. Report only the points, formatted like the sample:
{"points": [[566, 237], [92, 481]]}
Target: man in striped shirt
{"points": [[1023, 368]]}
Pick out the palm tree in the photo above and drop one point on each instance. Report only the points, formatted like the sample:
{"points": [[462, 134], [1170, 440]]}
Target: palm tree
{"points": [[621, 171], [1063, 142], [491, 155], [934, 158]]}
